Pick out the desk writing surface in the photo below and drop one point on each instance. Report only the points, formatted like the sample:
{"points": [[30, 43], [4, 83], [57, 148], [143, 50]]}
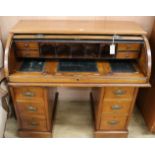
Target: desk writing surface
{"points": [[77, 27], [51, 75]]}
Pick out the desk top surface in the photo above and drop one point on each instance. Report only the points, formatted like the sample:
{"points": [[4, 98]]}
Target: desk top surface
{"points": [[77, 27]]}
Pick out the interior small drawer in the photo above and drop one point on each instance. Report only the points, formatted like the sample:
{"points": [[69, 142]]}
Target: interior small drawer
{"points": [[26, 45], [28, 53], [130, 46], [34, 124], [26, 94], [118, 93], [109, 122], [120, 107], [31, 109], [127, 55]]}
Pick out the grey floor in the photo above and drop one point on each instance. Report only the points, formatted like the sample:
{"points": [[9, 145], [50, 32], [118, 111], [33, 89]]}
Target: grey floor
{"points": [[73, 119]]}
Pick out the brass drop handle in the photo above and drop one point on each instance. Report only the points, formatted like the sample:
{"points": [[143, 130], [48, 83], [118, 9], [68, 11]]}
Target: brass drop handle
{"points": [[127, 55], [116, 107], [29, 94], [32, 109], [119, 92], [128, 46], [113, 122], [26, 45], [33, 124]]}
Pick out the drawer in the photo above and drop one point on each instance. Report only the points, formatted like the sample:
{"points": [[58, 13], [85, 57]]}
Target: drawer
{"points": [[28, 53], [29, 94], [127, 55], [34, 124], [113, 122], [120, 107], [118, 93], [122, 47], [31, 109], [27, 45]]}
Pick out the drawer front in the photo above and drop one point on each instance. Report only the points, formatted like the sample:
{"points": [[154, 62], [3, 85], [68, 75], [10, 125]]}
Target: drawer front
{"points": [[127, 55], [28, 53], [122, 47], [27, 94], [31, 109], [34, 124], [118, 93], [120, 107], [27, 45], [113, 122]]}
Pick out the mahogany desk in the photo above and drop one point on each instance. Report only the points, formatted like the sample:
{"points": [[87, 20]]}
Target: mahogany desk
{"points": [[116, 74]]}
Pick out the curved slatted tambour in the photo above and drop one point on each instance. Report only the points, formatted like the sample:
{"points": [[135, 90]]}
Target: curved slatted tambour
{"points": [[7, 54], [148, 56]]}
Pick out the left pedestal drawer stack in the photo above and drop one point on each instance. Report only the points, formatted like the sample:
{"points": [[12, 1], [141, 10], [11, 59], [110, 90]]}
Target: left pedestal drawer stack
{"points": [[34, 109]]}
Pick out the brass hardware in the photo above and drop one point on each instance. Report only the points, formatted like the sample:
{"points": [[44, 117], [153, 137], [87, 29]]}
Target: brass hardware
{"points": [[29, 94], [128, 46], [40, 35], [26, 45], [116, 107], [127, 55], [113, 122], [119, 92], [33, 124], [32, 109]]}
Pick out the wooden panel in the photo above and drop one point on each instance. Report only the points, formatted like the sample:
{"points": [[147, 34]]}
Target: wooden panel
{"points": [[34, 134], [127, 46], [146, 97], [77, 27], [96, 99], [34, 124], [31, 109], [118, 93], [109, 122], [111, 134], [127, 55], [28, 53], [27, 94], [120, 107], [26, 45]]}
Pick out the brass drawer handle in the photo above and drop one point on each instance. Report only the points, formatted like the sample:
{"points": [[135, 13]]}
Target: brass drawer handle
{"points": [[119, 92], [26, 45], [33, 124], [29, 94], [116, 107], [32, 109], [129, 46], [113, 122]]}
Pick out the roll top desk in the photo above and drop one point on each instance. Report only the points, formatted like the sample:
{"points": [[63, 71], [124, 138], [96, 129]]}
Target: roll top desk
{"points": [[112, 58]]}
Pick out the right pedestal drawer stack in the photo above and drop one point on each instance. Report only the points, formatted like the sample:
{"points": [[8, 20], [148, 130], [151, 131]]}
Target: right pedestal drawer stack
{"points": [[114, 110]]}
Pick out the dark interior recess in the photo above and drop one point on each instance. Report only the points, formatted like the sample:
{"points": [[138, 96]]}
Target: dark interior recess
{"points": [[75, 50]]}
